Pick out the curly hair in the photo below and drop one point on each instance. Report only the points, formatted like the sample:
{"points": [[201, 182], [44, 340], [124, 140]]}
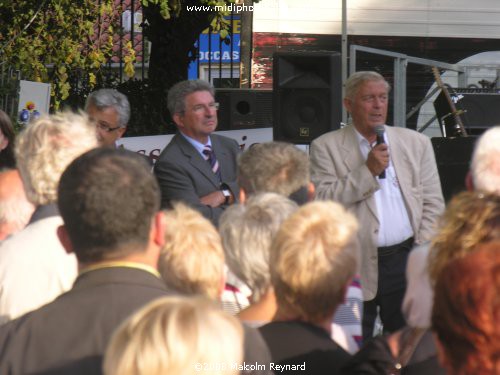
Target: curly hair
{"points": [[46, 147], [466, 312], [471, 218]]}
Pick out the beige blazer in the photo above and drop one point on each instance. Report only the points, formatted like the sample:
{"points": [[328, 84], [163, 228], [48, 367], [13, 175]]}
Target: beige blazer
{"points": [[339, 173]]}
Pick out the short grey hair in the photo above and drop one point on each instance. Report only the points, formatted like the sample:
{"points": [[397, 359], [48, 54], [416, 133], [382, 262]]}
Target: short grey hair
{"points": [[485, 166], [356, 79], [275, 167], [247, 231], [105, 98], [178, 92]]}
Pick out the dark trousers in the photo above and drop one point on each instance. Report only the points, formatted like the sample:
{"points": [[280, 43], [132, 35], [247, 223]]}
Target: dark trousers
{"points": [[390, 291]]}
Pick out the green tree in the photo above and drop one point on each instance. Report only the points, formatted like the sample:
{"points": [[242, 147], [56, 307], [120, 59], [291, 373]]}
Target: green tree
{"points": [[46, 40]]}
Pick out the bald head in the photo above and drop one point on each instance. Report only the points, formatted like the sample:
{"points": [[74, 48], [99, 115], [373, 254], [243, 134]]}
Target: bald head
{"points": [[15, 209]]}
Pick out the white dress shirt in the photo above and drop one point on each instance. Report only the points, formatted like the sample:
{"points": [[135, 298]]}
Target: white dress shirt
{"points": [[395, 226]]}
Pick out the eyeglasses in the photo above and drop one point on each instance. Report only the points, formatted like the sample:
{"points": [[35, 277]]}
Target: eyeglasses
{"points": [[198, 108], [106, 128]]}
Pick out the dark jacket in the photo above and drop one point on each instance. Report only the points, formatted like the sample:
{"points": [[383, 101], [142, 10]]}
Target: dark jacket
{"points": [[70, 334]]}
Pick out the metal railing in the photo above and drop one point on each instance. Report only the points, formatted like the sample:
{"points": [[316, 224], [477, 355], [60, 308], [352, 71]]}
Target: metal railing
{"points": [[401, 62]]}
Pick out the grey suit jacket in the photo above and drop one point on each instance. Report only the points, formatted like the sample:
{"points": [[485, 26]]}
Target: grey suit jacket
{"points": [[70, 334], [185, 176], [339, 172]]}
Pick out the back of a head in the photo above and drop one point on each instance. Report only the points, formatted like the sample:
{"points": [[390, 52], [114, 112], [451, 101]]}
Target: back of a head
{"points": [[15, 209], [46, 147], [485, 165], [105, 98], [471, 218], [466, 312], [192, 260], [247, 231], [275, 167], [176, 335], [107, 199], [318, 244], [356, 79]]}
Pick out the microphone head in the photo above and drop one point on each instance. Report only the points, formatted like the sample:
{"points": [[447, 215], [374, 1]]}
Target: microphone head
{"points": [[379, 130]]}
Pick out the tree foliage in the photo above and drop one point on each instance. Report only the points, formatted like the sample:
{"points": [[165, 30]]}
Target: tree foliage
{"points": [[47, 40], [50, 40]]}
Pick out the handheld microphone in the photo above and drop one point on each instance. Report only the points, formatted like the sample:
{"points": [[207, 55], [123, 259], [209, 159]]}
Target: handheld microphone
{"points": [[379, 130]]}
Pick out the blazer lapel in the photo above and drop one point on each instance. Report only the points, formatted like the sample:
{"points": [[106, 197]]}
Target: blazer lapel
{"points": [[196, 160], [353, 159]]}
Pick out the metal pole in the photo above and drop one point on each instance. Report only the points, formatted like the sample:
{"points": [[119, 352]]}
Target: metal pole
{"points": [[344, 55]]}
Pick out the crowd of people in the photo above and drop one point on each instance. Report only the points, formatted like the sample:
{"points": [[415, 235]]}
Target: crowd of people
{"points": [[222, 261]]}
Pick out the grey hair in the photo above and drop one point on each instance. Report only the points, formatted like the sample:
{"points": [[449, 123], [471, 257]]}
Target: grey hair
{"points": [[105, 98], [276, 167], [247, 231], [356, 79], [178, 92], [485, 165]]}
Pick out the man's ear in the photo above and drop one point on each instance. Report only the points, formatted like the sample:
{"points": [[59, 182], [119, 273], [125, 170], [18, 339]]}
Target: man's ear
{"points": [[243, 196], [121, 132], [159, 225], [469, 182], [177, 117], [347, 104], [311, 192], [63, 236]]}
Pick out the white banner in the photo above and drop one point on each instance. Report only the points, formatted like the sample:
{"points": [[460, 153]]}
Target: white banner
{"points": [[153, 145]]}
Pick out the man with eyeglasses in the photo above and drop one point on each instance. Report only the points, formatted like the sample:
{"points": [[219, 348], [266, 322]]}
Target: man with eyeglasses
{"points": [[197, 167], [109, 109]]}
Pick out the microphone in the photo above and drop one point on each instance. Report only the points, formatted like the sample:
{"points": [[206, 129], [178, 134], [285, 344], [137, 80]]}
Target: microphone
{"points": [[379, 130]]}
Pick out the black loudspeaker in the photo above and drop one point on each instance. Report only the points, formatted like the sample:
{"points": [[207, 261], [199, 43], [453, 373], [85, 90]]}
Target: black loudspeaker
{"points": [[481, 110], [244, 109], [453, 157], [307, 99]]}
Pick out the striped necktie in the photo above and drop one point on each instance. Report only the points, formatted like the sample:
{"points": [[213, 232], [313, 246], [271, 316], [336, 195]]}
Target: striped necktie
{"points": [[209, 155]]}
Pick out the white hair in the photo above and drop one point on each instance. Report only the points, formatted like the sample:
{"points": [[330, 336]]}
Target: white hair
{"points": [[485, 166], [46, 147]]}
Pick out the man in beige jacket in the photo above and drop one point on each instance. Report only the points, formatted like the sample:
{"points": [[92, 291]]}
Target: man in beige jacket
{"points": [[391, 185]]}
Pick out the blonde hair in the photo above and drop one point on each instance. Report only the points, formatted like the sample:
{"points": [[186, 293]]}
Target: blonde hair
{"points": [[172, 335], [192, 260], [313, 257], [46, 147], [247, 231], [470, 219]]}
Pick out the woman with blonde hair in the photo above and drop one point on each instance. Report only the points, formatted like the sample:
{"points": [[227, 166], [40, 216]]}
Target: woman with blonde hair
{"points": [[179, 336]]}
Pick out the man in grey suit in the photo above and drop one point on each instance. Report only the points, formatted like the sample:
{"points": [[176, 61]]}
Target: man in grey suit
{"points": [[391, 185], [109, 202], [197, 167]]}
